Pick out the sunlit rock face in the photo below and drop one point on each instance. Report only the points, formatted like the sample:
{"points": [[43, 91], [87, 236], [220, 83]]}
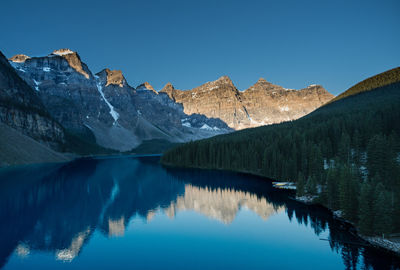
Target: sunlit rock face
{"points": [[19, 58], [217, 99], [220, 204], [146, 86], [267, 103], [263, 103], [115, 77], [73, 60]]}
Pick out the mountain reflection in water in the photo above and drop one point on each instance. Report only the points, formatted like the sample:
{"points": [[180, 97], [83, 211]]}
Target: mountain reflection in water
{"points": [[57, 208]]}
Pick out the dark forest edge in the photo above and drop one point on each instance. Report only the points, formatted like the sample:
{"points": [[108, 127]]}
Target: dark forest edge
{"points": [[345, 155]]}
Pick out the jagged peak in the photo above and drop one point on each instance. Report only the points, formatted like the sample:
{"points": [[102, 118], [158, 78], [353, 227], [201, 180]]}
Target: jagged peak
{"points": [[263, 85], [114, 77], [168, 84], [146, 86], [168, 87], [62, 52], [262, 80], [19, 58], [221, 83], [224, 80], [316, 89], [73, 60]]}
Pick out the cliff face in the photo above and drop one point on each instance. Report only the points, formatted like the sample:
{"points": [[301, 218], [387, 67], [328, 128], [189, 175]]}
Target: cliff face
{"points": [[105, 106], [21, 109], [267, 103], [217, 99], [263, 103], [67, 93]]}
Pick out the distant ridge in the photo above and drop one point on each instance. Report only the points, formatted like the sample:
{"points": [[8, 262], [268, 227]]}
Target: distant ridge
{"points": [[379, 80]]}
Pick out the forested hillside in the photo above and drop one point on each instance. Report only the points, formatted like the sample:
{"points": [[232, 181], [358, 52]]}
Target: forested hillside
{"points": [[345, 155], [380, 80]]}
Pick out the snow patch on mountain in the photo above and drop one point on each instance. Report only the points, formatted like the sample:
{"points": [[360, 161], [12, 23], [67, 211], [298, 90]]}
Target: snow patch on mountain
{"points": [[113, 113], [17, 66], [206, 127], [63, 52], [185, 122], [36, 85]]}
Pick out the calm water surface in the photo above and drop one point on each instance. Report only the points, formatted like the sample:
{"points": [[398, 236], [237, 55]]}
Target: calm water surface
{"points": [[131, 213]]}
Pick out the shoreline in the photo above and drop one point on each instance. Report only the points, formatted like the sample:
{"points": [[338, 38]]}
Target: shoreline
{"points": [[373, 241], [72, 157]]}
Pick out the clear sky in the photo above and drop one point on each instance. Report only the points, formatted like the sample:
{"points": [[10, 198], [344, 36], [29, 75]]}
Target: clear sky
{"points": [[291, 43]]}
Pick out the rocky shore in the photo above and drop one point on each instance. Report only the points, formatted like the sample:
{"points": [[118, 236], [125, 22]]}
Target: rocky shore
{"points": [[388, 244], [392, 245]]}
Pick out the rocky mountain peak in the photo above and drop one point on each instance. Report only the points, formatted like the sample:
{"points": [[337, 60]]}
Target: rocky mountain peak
{"points": [[168, 88], [263, 85], [169, 85], [262, 81], [73, 60], [19, 58], [224, 80], [114, 77], [223, 83], [316, 88], [146, 86]]}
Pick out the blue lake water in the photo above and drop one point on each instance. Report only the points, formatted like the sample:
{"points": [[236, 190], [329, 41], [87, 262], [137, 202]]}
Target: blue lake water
{"points": [[132, 213]]}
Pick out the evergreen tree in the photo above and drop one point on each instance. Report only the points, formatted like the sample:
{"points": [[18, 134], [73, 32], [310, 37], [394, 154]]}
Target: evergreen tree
{"points": [[332, 189], [300, 185], [311, 186], [344, 148], [348, 193], [382, 221], [366, 214]]}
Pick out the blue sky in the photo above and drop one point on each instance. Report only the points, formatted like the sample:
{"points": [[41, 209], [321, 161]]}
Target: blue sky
{"points": [[290, 43]]}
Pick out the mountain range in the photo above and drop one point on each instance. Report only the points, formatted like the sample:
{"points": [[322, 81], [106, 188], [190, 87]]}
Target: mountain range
{"points": [[57, 101], [263, 103]]}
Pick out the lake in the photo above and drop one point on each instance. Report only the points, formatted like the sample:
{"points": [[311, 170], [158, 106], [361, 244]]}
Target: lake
{"points": [[132, 213]]}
